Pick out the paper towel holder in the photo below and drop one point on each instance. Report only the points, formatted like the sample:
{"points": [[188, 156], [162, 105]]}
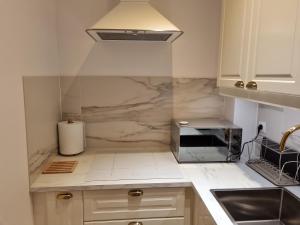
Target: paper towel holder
{"points": [[70, 121], [71, 137]]}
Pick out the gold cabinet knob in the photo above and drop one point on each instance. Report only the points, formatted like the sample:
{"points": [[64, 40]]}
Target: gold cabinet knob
{"points": [[64, 196], [135, 193], [239, 84], [252, 85], [135, 223]]}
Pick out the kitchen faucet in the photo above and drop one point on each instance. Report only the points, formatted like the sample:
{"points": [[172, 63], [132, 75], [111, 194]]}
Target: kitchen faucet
{"points": [[286, 136]]}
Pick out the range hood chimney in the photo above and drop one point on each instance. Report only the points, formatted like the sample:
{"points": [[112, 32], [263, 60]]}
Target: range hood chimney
{"points": [[134, 20]]}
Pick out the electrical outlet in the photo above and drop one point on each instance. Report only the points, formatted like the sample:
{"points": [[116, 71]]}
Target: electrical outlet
{"points": [[264, 124]]}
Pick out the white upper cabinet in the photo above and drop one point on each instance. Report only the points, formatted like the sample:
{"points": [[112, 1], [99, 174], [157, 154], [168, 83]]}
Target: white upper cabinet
{"points": [[270, 50], [234, 39], [275, 46]]}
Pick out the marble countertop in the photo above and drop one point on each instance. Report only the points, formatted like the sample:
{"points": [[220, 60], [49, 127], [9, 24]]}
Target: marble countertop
{"points": [[98, 171], [202, 177]]}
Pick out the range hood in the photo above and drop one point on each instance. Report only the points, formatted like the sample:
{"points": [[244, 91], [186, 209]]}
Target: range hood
{"points": [[134, 20]]}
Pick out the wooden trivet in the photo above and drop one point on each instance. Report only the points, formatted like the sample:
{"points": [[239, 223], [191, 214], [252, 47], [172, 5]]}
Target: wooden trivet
{"points": [[60, 167]]}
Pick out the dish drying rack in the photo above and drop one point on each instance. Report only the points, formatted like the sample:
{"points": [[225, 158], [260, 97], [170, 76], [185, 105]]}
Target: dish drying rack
{"points": [[280, 168]]}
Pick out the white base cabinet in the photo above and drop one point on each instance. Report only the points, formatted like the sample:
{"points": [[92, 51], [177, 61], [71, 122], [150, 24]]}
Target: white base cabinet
{"points": [[160, 221], [201, 214], [150, 206], [48, 209]]}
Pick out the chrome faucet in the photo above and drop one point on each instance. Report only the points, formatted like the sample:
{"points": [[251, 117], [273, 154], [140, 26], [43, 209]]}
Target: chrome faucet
{"points": [[286, 136]]}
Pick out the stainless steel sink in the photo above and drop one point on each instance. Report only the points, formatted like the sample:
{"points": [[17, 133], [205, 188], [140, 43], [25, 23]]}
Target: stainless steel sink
{"points": [[268, 206]]}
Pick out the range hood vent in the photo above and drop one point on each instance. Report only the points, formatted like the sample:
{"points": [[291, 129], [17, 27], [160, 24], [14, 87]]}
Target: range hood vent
{"points": [[134, 36], [134, 20]]}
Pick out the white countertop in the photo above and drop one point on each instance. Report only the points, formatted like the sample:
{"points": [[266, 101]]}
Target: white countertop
{"points": [[90, 164], [202, 177]]}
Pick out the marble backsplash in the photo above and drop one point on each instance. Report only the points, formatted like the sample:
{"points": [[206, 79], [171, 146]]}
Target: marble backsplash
{"points": [[196, 98], [132, 112]]}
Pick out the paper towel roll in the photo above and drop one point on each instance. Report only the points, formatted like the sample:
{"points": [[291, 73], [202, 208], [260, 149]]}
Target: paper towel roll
{"points": [[71, 137]]}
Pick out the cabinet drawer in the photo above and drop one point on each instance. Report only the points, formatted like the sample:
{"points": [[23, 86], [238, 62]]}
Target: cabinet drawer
{"points": [[50, 209], [127, 204], [169, 221]]}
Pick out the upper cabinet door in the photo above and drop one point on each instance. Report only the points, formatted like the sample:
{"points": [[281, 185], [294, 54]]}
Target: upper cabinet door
{"points": [[275, 46], [234, 41]]}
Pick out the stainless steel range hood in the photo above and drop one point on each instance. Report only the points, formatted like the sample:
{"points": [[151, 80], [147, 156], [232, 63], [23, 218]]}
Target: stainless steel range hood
{"points": [[134, 20]]}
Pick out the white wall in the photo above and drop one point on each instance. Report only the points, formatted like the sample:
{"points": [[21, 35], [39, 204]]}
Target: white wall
{"points": [[248, 114], [28, 47], [278, 120], [42, 113], [195, 54], [242, 113], [192, 55]]}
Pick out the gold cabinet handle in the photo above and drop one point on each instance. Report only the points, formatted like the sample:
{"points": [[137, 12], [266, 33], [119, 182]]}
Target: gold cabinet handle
{"points": [[135, 223], [135, 193], [240, 84], [64, 196], [252, 85]]}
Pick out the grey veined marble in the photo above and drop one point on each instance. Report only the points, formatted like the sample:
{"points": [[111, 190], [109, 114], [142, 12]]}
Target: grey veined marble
{"points": [[126, 111], [196, 98], [136, 111]]}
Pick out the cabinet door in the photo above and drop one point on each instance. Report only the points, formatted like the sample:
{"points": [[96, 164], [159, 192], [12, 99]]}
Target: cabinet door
{"points": [[275, 46], [160, 221], [52, 208], [121, 204], [235, 31], [201, 214]]}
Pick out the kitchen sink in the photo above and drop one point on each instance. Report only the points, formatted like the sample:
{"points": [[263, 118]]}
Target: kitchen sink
{"points": [[265, 206]]}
